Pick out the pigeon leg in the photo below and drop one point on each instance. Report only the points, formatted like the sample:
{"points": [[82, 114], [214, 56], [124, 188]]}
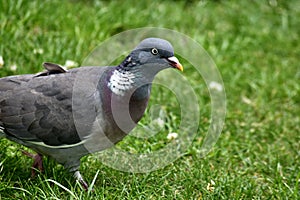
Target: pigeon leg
{"points": [[79, 178], [37, 163]]}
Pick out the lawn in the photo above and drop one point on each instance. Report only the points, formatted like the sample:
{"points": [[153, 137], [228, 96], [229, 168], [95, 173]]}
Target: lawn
{"points": [[254, 44]]}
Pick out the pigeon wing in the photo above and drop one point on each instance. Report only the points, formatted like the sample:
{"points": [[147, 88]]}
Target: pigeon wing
{"points": [[39, 109]]}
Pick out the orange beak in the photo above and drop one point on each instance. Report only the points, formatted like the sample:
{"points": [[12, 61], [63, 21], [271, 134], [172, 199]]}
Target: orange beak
{"points": [[175, 63]]}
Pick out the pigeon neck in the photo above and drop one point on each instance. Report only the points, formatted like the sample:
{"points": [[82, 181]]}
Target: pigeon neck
{"points": [[129, 82]]}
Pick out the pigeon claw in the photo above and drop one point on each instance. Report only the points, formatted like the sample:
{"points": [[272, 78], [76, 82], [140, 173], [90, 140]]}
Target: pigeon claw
{"points": [[37, 163], [80, 179]]}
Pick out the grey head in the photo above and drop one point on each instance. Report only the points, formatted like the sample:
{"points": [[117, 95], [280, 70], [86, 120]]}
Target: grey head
{"points": [[151, 56]]}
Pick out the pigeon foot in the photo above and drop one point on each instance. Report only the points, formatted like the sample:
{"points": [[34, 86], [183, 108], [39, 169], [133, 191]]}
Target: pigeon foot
{"points": [[37, 163], [80, 179]]}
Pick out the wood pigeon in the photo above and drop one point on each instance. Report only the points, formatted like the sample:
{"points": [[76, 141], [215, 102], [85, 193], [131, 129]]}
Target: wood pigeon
{"points": [[68, 114]]}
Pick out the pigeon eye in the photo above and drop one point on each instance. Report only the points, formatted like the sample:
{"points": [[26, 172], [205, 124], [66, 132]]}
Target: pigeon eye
{"points": [[154, 51]]}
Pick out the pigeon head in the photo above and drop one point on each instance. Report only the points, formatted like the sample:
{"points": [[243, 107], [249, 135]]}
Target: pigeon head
{"points": [[141, 65], [151, 56]]}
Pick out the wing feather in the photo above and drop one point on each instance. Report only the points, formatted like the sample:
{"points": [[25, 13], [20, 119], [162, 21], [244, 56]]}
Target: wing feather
{"points": [[39, 108]]}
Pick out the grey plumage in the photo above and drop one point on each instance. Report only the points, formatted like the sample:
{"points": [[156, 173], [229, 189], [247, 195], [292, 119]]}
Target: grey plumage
{"points": [[68, 114]]}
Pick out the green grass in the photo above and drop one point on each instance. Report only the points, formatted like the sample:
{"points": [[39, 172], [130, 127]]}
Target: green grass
{"points": [[256, 47]]}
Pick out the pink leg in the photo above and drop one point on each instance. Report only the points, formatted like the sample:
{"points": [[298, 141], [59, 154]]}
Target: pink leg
{"points": [[79, 177], [37, 163]]}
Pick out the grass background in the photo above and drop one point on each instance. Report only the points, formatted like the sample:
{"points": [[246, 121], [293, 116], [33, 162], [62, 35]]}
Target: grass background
{"points": [[255, 45]]}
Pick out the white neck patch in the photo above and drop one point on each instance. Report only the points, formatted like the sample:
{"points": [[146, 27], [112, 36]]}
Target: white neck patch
{"points": [[121, 81]]}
